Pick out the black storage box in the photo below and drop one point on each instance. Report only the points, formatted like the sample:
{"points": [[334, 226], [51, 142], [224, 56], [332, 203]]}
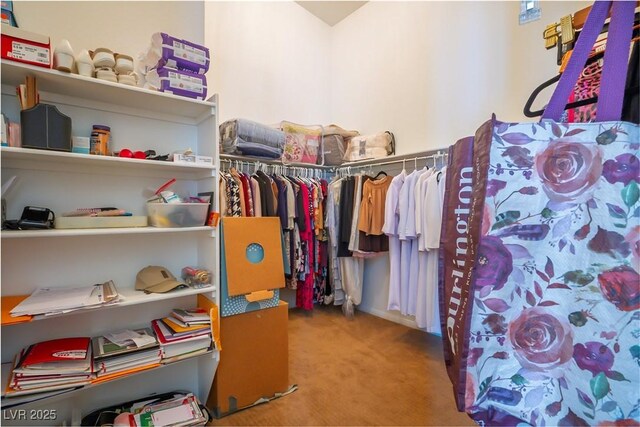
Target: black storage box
{"points": [[45, 127]]}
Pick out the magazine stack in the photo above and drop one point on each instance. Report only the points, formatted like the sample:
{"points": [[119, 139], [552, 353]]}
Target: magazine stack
{"points": [[183, 334]]}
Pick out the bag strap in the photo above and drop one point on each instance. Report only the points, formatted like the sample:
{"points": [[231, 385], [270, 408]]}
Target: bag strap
{"points": [[616, 58]]}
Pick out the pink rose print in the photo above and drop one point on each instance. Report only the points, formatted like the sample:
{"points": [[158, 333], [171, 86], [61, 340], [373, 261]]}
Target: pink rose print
{"points": [[541, 341], [621, 287], [569, 170]]}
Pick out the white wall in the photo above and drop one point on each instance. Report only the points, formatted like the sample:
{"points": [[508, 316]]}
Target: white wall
{"points": [[122, 26], [432, 72], [271, 61], [428, 71], [536, 64]]}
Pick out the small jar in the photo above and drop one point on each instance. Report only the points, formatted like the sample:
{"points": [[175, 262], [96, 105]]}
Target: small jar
{"points": [[100, 136]]}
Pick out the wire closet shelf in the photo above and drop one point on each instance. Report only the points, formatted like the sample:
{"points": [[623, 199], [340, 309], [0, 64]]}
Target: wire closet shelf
{"points": [[431, 158]]}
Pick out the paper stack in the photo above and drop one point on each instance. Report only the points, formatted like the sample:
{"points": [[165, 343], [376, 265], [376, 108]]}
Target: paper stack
{"points": [[180, 340], [180, 411], [51, 365], [192, 316], [49, 301], [124, 352]]}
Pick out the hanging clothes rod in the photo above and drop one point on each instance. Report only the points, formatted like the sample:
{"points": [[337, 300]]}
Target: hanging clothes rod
{"points": [[431, 154], [275, 162], [440, 153], [247, 164]]}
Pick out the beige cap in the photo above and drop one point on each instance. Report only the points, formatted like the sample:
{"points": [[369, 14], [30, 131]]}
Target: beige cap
{"points": [[154, 278]]}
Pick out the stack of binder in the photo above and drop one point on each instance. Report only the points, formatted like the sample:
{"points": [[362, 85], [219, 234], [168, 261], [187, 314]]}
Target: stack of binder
{"points": [[113, 360], [179, 339], [51, 365]]}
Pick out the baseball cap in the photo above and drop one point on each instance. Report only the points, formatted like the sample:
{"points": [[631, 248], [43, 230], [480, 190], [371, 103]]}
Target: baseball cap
{"points": [[154, 278]]}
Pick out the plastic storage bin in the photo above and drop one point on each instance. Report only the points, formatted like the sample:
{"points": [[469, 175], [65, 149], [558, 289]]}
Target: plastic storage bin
{"points": [[177, 214]]}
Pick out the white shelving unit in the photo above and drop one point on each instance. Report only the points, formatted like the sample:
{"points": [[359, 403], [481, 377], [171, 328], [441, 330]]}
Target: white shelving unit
{"points": [[109, 96], [130, 297], [25, 158], [25, 234], [139, 120]]}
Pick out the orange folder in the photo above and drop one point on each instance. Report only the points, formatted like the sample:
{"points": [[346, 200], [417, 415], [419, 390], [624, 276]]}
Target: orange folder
{"points": [[206, 303], [8, 303]]}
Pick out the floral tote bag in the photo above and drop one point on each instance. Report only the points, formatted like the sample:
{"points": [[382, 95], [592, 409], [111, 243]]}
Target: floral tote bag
{"points": [[540, 291]]}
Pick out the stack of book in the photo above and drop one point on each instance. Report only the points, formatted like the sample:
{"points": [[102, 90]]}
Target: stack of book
{"points": [[51, 365], [192, 316], [183, 334], [124, 352]]}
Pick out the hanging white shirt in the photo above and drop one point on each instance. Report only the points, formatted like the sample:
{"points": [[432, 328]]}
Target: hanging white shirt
{"points": [[407, 216], [434, 202], [390, 228], [420, 191], [414, 259], [406, 193]]}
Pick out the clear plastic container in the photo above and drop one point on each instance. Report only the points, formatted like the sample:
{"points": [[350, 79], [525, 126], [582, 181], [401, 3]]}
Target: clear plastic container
{"points": [[166, 215]]}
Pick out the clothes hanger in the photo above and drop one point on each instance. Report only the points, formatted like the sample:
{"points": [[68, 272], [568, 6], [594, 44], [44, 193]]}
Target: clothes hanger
{"points": [[563, 34], [527, 107], [381, 173], [578, 21]]}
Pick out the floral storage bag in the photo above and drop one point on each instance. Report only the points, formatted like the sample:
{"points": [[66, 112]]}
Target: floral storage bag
{"points": [[540, 284], [302, 143]]}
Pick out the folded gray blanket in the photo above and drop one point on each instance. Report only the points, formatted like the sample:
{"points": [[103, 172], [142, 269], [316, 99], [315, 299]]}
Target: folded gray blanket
{"points": [[246, 137]]}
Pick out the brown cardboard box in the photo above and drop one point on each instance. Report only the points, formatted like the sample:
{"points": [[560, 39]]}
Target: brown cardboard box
{"points": [[254, 361]]}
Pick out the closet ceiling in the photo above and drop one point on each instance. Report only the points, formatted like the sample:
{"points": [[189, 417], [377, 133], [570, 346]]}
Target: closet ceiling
{"points": [[331, 12]]}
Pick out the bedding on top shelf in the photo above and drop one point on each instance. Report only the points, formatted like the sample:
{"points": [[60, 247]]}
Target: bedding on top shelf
{"points": [[374, 146], [249, 138], [334, 144], [302, 143], [293, 143]]}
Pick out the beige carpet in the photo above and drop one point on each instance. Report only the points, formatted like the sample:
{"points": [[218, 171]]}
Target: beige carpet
{"points": [[365, 371]]}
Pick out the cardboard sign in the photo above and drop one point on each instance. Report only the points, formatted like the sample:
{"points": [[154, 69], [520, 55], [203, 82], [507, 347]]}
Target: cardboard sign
{"points": [[253, 255]]}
